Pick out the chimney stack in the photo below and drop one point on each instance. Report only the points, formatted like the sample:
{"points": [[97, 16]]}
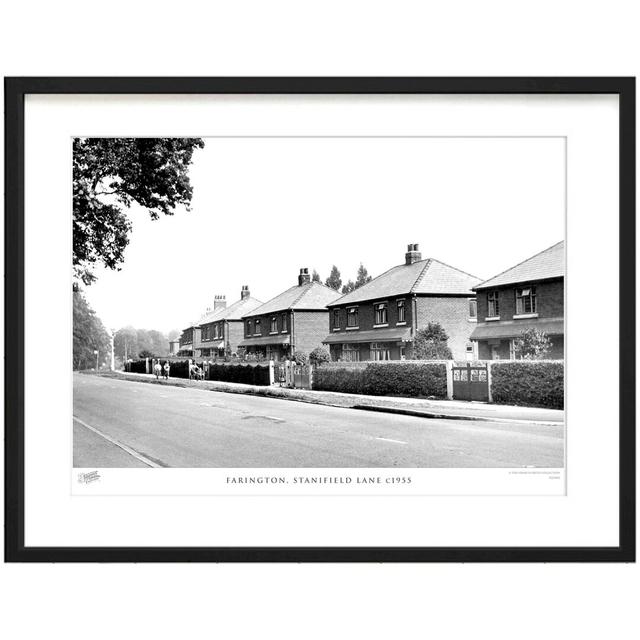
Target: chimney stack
{"points": [[304, 276], [244, 294], [219, 302], [412, 255]]}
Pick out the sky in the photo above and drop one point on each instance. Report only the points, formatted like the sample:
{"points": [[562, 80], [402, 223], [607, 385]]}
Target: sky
{"points": [[263, 208]]}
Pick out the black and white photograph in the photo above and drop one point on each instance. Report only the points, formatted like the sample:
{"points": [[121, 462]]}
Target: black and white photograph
{"points": [[387, 302], [354, 309]]}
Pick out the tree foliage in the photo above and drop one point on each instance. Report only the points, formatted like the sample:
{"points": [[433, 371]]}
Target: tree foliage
{"points": [[315, 277], [349, 287], [132, 343], [111, 174], [362, 276], [533, 344], [334, 281], [318, 356], [431, 343], [89, 335]]}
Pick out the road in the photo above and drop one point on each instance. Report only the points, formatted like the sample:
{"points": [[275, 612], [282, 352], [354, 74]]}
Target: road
{"points": [[119, 423]]}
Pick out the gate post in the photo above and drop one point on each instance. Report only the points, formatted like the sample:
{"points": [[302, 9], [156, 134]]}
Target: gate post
{"points": [[490, 396], [146, 365], [272, 378], [449, 367]]}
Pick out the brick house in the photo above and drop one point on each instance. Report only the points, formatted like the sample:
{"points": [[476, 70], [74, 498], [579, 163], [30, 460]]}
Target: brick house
{"points": [[531, 294], [295, 320], [221, 329], [378, 320], [188, 340]]}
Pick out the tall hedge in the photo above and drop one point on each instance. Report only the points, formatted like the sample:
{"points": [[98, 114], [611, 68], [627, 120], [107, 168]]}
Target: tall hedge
{"points": [[247, 374], [528, 383], [399, 378]]}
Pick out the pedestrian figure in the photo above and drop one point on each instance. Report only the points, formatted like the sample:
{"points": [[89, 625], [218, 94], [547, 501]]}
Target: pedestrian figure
{"points": [[166, 370], [157, 369]]}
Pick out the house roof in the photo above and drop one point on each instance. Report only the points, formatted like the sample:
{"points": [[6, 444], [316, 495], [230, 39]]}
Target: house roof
{"points": [[232, 312], [544, 265], [428, 276], [308, 296]]}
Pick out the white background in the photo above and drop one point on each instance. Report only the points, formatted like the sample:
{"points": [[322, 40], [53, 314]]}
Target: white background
{"points": [[587, 516], [489, 38]]}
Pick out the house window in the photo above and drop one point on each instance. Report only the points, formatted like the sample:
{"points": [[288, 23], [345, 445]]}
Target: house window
{"points": [[401, 311], [248, 327], [219, 331], [493, 304], [274, 324], [284, 322], [380, 351], [352, 317], [257, 329], [336, 318], [526, 300], [473, 309], [351, 353], [381, 313], [403, 353]]}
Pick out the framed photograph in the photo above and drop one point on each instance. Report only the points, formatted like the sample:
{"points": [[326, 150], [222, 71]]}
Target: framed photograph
{"points": [[320, 319]]}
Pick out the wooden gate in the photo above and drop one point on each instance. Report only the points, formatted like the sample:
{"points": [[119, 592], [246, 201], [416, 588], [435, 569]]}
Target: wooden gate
{"points": [[289, 374], [470, 382]]}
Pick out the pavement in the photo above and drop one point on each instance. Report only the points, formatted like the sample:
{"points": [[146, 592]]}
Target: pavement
{"points": [[444, 409], [118, 422]]}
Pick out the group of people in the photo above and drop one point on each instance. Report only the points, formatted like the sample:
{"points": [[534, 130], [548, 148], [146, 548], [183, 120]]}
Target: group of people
{"points": [[195, 372], [160, 370]]}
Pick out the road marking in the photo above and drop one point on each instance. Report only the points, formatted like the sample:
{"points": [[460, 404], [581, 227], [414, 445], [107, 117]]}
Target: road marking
{"points": [[124, 447], [391, 440]]}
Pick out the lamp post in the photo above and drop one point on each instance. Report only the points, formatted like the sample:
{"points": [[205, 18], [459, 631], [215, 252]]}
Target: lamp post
{"points": [[95, 351], [113, 350]]}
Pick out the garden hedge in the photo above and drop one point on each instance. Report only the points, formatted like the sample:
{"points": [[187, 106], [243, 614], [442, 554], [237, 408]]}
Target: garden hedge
{"points": [[528, 383], [401, 378], [257, 374]]}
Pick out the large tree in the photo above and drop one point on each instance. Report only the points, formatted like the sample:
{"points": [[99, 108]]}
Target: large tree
{"points": [[315, 277], [89, 335], [431, 343], [349, 287], [362, 277], [111, 174], [334, 281]]}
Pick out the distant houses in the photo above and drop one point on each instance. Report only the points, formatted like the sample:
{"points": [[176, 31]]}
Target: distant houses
{"points": [[295, 320], [528, 295], [380, 319]]}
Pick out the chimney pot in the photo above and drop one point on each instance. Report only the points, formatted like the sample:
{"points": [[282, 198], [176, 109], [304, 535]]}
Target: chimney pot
{"points": [[244, 294], [412, 255], [219, 302], [304, 276]]}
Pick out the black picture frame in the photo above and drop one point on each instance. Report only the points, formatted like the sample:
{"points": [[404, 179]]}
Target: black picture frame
{"points": [[15, 91]]}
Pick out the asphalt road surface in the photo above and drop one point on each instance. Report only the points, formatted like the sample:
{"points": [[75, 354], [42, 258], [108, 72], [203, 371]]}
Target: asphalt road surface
{"points": [[120, 423]]}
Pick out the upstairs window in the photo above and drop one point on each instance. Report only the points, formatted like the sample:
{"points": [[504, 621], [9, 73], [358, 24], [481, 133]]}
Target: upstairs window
{"points": [[248, 327], [526, 300], [401, 311], [274, 324], [493, 304], [381, 313], [336, 318], [284, 322], [473, 309], [257, 328], [352, 317]]}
